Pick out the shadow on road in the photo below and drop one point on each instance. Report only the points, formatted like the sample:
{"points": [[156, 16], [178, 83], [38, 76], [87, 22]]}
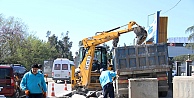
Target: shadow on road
{"points": [[170, 94], [63, 82]]}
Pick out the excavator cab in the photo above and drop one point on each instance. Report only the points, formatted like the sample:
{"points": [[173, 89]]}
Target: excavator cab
{"points": [[100, 57], [99, 61]]}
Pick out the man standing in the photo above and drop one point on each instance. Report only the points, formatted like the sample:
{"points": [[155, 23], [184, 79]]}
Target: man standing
{"points": [[40, 70], [33, 83], [106, 82], [95, 65]]}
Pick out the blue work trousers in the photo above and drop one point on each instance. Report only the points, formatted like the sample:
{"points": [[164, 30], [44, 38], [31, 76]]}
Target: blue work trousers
{"points": [[108, 89], [35, 96]]}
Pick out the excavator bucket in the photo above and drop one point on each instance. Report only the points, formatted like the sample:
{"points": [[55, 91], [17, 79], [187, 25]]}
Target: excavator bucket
{"points": [[141, 34], [115, 42]]}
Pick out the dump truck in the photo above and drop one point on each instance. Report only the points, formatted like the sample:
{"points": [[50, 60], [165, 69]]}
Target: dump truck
{"points": [[141, 61], [136, 61]]}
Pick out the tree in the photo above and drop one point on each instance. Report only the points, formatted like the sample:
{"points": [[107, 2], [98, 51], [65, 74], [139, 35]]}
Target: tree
{"points": [[190, 45], [109, 54], [17, 45], [48, 33], [66, 46], [53, 41], [34, 51], [63, 47], [190, 30], [191, 36], [12, 31], [183, 58]]}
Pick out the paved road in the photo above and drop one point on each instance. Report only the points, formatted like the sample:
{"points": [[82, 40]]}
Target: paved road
{"points": [[59, 89]]}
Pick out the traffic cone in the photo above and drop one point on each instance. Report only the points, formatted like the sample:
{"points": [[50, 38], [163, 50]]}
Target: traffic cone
{"points": [[65, 88], [52, 92]]}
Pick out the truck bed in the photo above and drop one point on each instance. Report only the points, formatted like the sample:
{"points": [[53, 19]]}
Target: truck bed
{"points": [[141, 59]]}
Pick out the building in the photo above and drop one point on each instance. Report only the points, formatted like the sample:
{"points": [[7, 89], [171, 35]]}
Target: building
{"points": [[177, 46]]}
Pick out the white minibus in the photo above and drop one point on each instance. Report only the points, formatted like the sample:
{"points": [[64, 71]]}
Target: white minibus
{"points": [[62, 69]]}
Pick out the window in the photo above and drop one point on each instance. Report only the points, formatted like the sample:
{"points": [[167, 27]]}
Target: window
{"points": [[57, 67], [5, 73], [20, 70], [64, 66]]}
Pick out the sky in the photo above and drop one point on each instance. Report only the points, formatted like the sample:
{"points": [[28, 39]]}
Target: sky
{"points": [[83, 18]]}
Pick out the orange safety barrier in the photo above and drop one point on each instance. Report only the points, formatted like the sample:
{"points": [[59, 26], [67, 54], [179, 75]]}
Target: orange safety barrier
{"points": [[53, 91], [65, 88]]}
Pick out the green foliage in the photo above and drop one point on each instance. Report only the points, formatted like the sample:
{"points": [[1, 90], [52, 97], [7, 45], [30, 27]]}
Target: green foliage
{"points": [[109, 54], [191, 37], [63, 47], [34, 51], [17, 45], [183, 58], [12, 31], [180, 58]]}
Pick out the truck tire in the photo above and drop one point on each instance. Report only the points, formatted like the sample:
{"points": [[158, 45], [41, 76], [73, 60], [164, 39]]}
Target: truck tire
{"points": [[55, 81], [163, 94], [16, 94]]}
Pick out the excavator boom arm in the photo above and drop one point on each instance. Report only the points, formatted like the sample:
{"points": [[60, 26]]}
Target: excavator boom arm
{"points": [[106, 36]]}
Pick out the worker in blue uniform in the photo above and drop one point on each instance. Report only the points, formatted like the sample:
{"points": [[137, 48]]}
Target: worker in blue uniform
{"points": [[106, 81], [95, 65], [40, 70], [33, 83]]}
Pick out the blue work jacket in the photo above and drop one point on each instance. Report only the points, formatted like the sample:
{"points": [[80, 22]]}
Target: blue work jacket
{"points": [[32, 81], [106, 77]]}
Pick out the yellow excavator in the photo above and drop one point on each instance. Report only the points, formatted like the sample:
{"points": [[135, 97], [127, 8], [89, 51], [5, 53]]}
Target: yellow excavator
{"points": [[85, 78]]}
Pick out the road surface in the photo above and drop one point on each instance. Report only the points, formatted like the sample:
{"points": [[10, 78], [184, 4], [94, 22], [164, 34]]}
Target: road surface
{"points": [[59, 89]]}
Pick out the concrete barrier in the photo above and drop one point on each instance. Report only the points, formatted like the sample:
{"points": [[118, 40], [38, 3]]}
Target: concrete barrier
{"points": [[143, 88], [183, 87]]}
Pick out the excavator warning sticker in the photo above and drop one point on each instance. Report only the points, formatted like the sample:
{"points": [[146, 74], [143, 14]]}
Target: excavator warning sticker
{"points": [[88, 62]]}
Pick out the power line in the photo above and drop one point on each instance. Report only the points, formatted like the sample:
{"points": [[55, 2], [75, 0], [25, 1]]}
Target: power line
{"points": [[173, 6]]}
